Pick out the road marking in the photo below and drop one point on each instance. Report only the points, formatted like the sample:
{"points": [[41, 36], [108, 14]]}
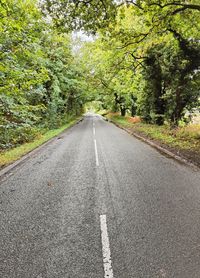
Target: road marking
{"points": [[107, 263], [96, 153], [93, 130]]}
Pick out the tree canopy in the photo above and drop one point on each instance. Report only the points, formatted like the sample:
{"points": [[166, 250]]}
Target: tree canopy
{"points": [[148, 56]]}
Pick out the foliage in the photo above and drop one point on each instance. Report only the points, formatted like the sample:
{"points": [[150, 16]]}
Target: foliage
{"points": [[77, 14], [40, 81], [147, 61]]}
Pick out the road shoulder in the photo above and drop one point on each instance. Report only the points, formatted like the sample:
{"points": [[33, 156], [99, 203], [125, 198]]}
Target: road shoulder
{"points": [[190, 158], [7, 168]]}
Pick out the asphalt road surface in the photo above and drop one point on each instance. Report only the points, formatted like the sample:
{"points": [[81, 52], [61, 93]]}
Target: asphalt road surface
{"points": [[96, 203]]}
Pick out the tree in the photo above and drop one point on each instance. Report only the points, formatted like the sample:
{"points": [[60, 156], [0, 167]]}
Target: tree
{"points": [[161, 38], [41, 85]]}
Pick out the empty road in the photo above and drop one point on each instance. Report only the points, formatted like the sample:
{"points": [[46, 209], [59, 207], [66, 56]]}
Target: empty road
{"points": [[97, 202]]}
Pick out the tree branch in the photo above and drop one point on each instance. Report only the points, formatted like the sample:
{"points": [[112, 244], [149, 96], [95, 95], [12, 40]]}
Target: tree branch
{"points": [[183, 6], [135, 42], [133, 3], [129, 2]]}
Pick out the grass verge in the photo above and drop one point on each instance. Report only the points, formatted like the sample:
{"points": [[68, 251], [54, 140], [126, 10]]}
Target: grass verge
{"points": [[7, 157], [182, 140]]}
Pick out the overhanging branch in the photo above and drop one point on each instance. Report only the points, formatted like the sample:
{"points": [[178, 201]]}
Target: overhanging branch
{"points": [[182, 6]]}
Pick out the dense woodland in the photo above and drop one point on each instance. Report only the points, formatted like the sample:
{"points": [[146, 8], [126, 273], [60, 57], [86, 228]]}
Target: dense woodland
{"points": [[143, 59]]}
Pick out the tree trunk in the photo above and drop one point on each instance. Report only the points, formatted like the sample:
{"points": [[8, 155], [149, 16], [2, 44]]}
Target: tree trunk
{"points": [[177, 113], [115, 107], [133, 105], [133, 110], [123, 111]]}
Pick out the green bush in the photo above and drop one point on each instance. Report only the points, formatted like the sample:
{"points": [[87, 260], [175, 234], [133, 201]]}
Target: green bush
{"points": [[13, 135]]}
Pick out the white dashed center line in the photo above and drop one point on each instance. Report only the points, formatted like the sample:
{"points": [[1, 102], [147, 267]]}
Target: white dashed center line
{"points": [[96, 153], [107, 263]]}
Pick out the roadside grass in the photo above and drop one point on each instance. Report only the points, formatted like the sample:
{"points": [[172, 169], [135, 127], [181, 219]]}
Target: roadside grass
{"points": [[186, 138], [9, 156], [115, 117], [102, 112]]}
